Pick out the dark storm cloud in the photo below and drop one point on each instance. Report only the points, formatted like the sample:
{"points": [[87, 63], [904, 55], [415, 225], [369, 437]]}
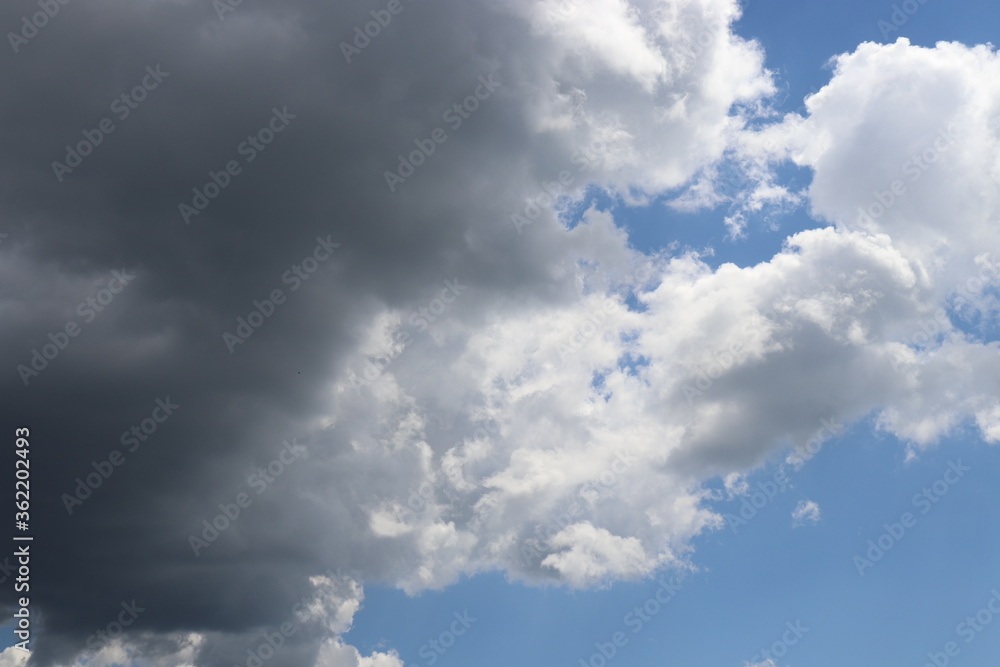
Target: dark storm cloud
{"points": [[200, 95]]}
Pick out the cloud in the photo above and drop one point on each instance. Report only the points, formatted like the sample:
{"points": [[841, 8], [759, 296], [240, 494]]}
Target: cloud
{"points": [[766, 663], [658, 104], [847, 321], [806, 512], [816, 325], [14, 657], [472, 395], [918, 117], [902, 142]]}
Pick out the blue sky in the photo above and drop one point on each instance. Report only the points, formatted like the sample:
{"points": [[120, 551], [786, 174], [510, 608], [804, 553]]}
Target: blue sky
{"points": [[755, 580], [790, 582]]}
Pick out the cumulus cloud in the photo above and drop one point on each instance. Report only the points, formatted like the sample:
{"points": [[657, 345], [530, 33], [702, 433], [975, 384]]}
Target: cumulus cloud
{"points": [[847, 321], [471, 394], [918, 164]]}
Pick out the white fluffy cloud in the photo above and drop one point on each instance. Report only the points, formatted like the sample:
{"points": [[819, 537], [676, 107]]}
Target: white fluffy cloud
{"points": [[924, 119], [717, 369], [662, 84]]}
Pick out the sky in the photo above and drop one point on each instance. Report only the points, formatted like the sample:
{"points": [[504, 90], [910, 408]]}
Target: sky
{"points": [[620, 332]]}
